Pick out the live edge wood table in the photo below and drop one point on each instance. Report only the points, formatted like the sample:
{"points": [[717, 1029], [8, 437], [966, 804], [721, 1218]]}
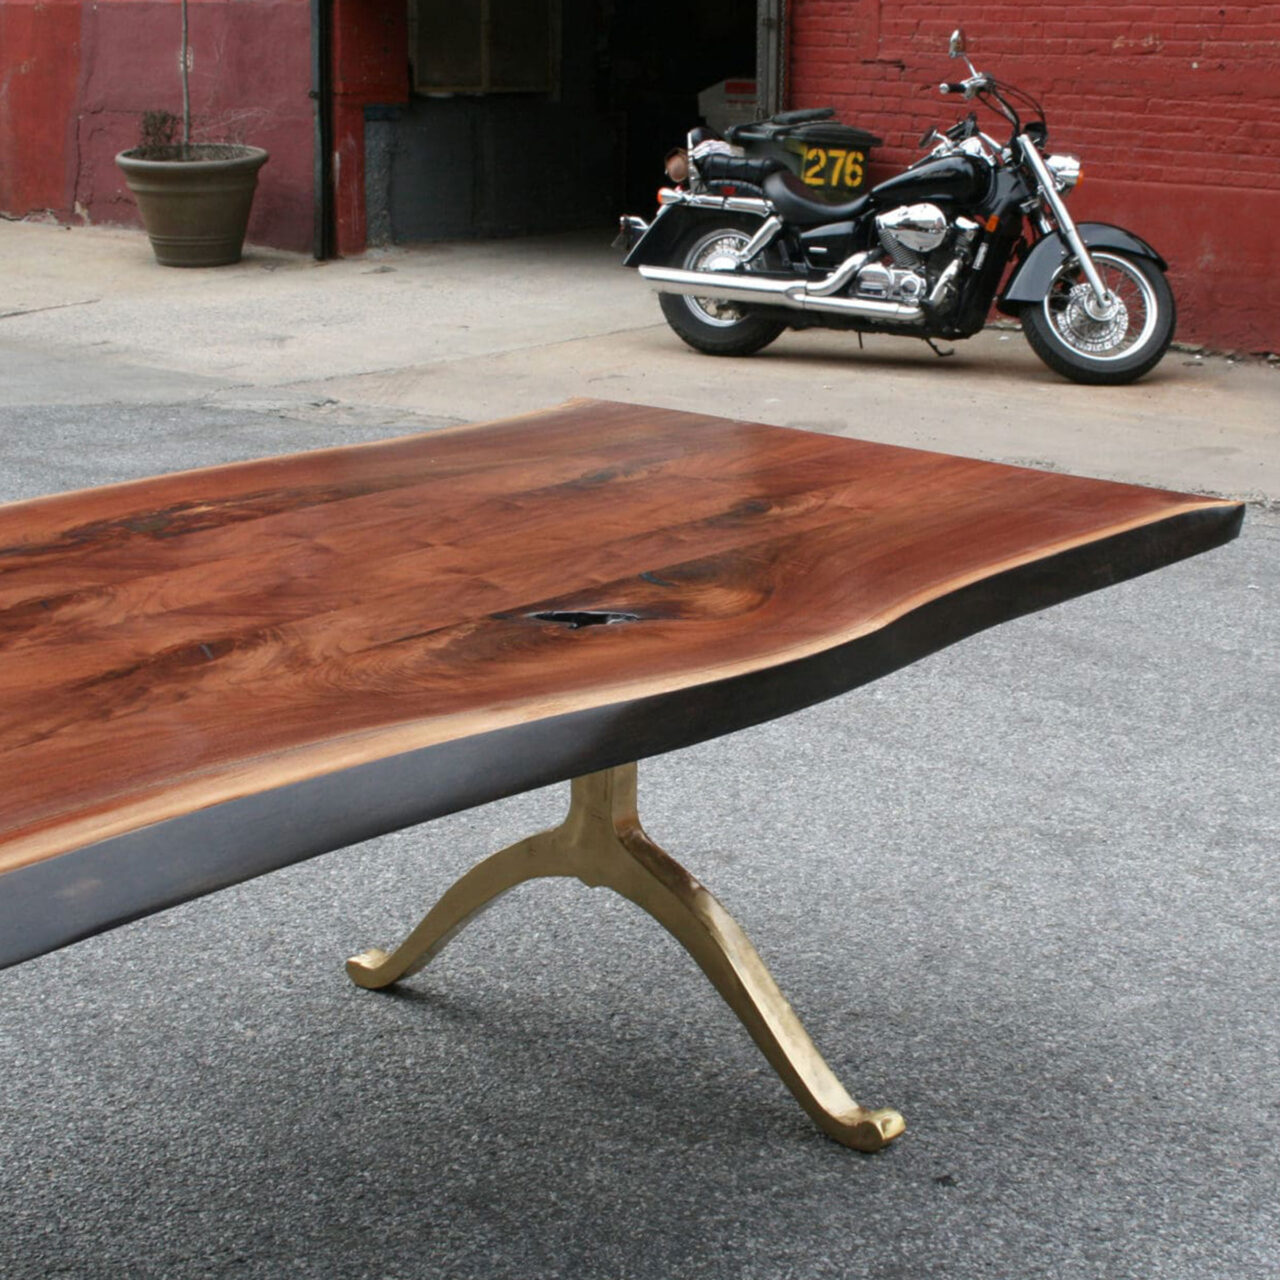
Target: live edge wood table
{"points": [[209, 675]]}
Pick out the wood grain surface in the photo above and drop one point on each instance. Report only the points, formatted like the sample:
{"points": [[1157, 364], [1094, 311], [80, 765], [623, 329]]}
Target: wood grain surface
{"points": [[174, 646]]}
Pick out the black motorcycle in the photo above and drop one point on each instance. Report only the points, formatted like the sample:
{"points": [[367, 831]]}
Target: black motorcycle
{"points": [[743, 250]]}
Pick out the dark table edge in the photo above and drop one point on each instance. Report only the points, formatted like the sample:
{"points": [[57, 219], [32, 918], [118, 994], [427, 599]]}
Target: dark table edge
{"points": [[71, 896]]}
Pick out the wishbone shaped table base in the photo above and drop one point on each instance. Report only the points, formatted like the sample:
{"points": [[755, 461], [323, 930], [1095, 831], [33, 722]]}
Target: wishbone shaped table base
{"points": [[601, 843]]}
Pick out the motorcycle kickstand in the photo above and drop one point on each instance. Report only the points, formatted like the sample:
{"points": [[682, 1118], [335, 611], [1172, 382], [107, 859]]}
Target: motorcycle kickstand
{"points": [[942, 355]]}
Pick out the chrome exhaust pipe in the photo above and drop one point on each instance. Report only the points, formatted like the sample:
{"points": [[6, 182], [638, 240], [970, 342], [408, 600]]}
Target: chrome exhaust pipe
{"points": [[840, 276], [720, 284], [793, 294]]}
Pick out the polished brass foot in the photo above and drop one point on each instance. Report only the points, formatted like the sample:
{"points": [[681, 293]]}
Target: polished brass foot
{"points": [[602, 844]]}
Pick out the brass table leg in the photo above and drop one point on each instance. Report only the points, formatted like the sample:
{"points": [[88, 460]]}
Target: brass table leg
{"points": [[602, 843]]}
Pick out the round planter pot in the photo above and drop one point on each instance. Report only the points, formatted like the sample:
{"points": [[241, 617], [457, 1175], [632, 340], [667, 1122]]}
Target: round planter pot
{"points": [[194, 200]]}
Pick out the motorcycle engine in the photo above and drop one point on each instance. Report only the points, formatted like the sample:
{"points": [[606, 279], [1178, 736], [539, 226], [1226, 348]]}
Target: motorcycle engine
{"points": [[910, 231], [909, 236]]}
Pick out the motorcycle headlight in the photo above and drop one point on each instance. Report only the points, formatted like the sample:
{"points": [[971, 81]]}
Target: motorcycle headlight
{"points": [[1065, 170]]}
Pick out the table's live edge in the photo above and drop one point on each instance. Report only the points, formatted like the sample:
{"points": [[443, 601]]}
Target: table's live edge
{"points": [[50, 903]]}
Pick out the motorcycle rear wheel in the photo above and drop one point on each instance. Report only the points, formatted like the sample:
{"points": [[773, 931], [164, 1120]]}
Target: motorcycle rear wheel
{"points": [[1073, 339], [706, 324]]}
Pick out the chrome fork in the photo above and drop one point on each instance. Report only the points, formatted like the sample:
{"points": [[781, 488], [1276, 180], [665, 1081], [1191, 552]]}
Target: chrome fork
{"points": [[1031, 154]]}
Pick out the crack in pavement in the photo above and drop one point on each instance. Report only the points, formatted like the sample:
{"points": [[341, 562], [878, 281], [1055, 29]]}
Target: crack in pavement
{"points": [[56, 306]]}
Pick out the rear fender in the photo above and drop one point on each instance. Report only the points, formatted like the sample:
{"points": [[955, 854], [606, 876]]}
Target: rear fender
{"points": [[657, 245], [1030, 281]]}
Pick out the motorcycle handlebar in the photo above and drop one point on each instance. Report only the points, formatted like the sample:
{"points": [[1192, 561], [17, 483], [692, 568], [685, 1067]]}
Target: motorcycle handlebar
{"points": [[975, 84]]}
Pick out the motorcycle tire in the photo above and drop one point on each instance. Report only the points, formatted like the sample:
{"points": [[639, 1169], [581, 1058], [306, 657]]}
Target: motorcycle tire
{"points": [[707, 325], [1067, 333]]}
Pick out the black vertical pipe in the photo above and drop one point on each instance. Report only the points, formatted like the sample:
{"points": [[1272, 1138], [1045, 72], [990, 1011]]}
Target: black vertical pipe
{"points": [[323, 237]]}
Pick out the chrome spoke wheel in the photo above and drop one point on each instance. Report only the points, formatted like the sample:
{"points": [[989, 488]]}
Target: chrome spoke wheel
{"points": [[718, 251], [713, 325], [1111, 341], [1102, 331]]}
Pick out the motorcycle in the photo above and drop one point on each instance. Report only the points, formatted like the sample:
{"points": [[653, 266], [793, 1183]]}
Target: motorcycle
{"points": [[741, 250]]}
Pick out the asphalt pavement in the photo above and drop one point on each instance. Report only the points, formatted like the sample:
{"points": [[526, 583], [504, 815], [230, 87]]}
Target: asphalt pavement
{"points": [[1026, 891]]}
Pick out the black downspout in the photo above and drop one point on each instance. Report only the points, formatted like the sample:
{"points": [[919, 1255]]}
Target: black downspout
{"points": [[323, 239]]}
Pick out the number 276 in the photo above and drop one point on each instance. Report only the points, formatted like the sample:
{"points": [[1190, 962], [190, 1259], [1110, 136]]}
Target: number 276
{"points": [[833, 167]]}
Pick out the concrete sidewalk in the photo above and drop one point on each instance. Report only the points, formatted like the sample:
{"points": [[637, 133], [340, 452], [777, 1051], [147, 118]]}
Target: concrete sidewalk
{"points": [[463, 332], [1026, 891]]}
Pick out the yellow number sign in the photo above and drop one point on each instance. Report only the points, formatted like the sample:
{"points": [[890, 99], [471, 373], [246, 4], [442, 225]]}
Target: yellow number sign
{"points": [[833, 167]]}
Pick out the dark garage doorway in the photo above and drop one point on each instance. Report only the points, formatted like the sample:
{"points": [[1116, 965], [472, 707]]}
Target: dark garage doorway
{"points": [[525, 120]]}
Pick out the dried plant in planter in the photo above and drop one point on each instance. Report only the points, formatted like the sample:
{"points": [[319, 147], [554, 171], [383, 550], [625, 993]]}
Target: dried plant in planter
{"points": [[159, 130], [194, 197]]}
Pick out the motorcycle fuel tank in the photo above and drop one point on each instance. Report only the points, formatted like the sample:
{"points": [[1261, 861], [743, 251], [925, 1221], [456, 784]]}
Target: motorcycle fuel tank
{"points": [[960, 178]]}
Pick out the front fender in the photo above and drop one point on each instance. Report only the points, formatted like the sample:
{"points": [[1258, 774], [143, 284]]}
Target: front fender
{"points": [[1030, 281]]}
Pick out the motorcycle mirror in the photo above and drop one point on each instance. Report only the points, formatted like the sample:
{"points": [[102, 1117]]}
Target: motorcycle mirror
{"points": [[956, 48]]}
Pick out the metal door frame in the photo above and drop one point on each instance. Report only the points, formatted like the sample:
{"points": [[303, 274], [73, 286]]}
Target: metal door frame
{"points": [[771, 56]]}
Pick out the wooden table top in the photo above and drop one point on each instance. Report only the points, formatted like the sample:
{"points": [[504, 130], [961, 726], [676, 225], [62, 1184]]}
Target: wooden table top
{"points": [[210, 674]]}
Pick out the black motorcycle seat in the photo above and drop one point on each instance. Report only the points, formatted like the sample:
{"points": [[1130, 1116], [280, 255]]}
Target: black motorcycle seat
{"points": [[796, 203], [722, 168]]}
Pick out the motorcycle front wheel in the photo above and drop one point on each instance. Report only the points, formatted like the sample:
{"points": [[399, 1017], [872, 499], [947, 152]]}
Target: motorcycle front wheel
{"points": [[1103, 345], [707, 324]]}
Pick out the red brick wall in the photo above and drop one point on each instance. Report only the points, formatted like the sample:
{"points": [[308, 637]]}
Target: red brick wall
{"points": [[1174, 109]]}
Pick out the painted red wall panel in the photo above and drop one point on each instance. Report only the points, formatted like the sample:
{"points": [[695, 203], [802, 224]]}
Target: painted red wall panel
{"points": [[1174, 109], [39, 61], [371, 49], [370, 64], [114, 59]]}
